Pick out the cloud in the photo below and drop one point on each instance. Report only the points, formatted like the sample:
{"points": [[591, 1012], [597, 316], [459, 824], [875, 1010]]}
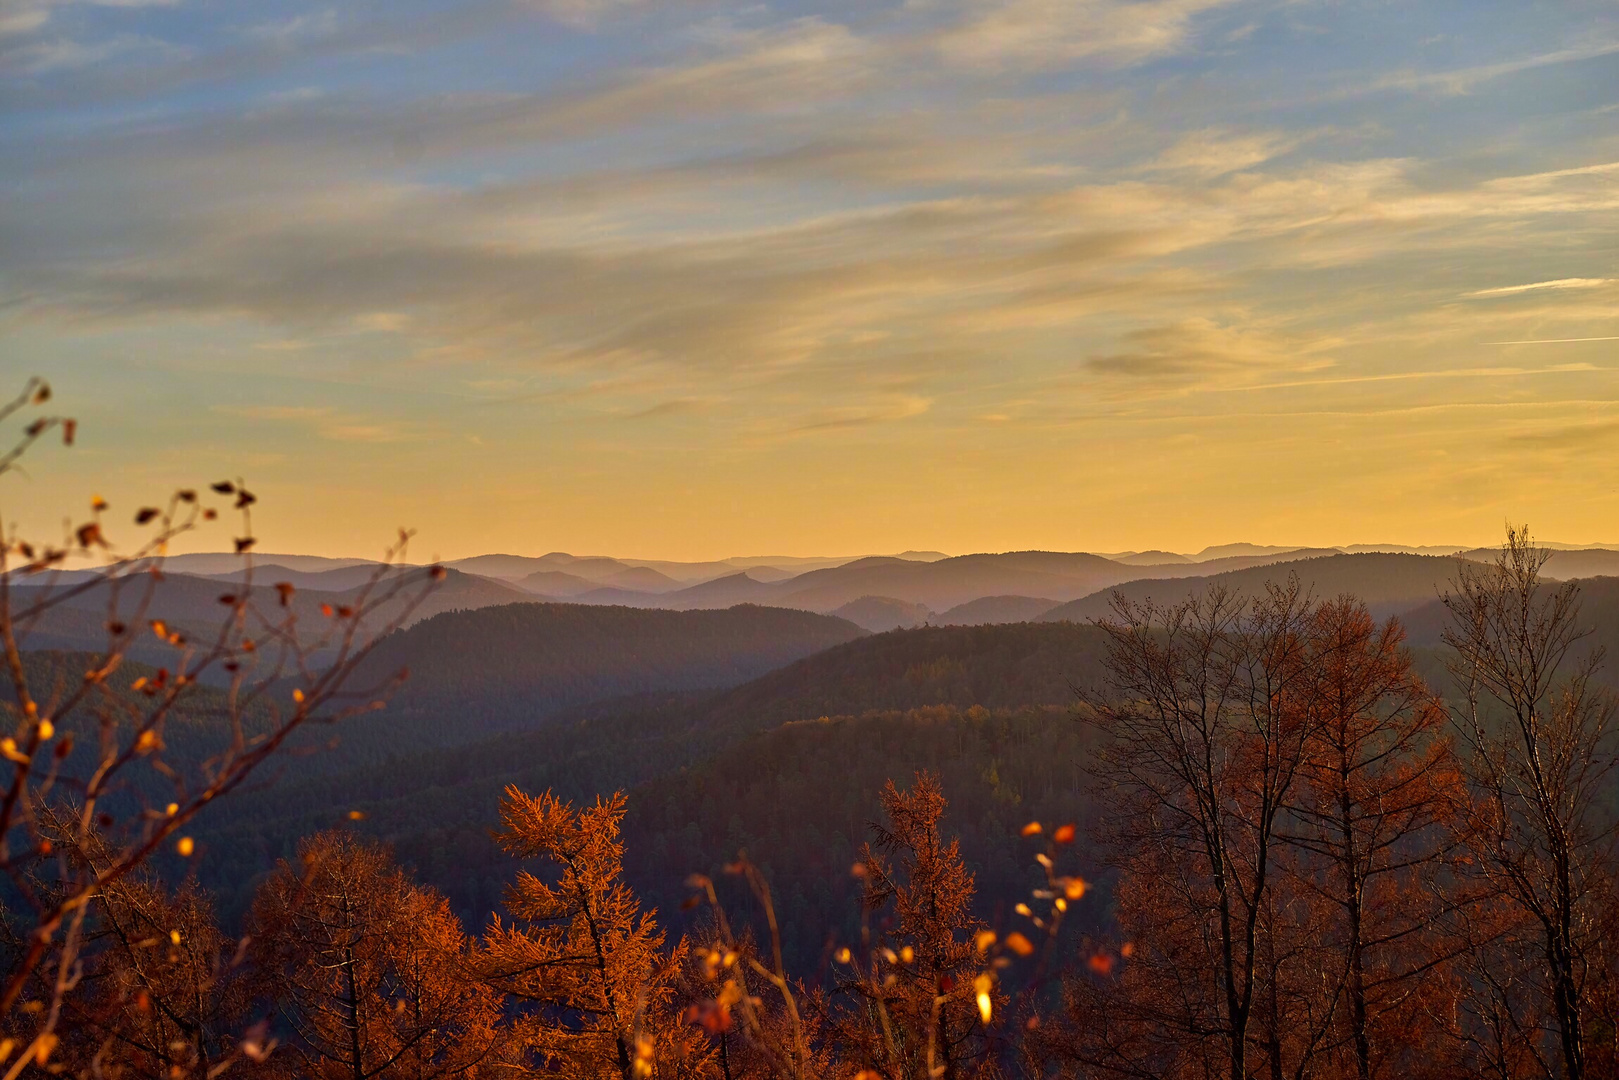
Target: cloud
{"points": [[1579, 437], [276, 412], [1551, 341], [1214, 152], [27, 16], [1053, 33], [585, 14], [291, 31], [65, 55], [1559, 283], [882, 410], [1200, 350], [1465, 80], [323, 420]]}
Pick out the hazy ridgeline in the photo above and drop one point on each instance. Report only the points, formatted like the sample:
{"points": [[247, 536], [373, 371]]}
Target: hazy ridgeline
{"points": [[1241, 824]]}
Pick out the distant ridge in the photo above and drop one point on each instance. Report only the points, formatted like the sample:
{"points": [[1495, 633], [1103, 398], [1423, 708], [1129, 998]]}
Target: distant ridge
{"points": [[1389, 583], [882, 613], [991, 610]]}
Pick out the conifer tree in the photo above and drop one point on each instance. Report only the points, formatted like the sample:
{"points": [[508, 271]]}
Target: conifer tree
{"points": [[580, 952], [916, 1011], [163, 993], [1371, 823], [369, 969]]}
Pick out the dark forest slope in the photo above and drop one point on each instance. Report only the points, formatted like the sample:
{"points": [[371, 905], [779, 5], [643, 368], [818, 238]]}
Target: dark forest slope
{"points": [[437, 805]]}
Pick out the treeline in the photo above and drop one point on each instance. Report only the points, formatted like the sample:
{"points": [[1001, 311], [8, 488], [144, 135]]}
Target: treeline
{"points": [[1321, 870]]}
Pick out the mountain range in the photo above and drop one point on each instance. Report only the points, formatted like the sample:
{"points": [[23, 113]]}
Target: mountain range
{"points": [[876, 593]]}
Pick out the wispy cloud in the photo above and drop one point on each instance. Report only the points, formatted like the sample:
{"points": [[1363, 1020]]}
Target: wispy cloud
{"points": [[1558, 283], [324, 421], [1551, 341], [66, 55], [1201, 350], [1214, 152], [1052, 33], [1464, 80]]}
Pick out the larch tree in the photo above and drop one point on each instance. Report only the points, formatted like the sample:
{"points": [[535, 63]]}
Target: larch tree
{"points": [[915, 1000], [1372, 819], [370, 971], [1540, 740], [578, 951], [163, 990]]}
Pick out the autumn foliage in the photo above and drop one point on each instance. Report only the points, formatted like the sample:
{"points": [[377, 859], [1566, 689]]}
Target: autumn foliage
{"points": [[370, 973], [585, 963]]}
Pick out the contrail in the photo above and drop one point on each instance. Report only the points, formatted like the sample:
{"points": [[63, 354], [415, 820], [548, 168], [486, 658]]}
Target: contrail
{"points": [[1550, 341]]}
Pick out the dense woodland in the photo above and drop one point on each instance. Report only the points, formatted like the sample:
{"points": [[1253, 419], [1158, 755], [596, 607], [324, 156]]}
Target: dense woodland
{"points": [[1251, 832]]}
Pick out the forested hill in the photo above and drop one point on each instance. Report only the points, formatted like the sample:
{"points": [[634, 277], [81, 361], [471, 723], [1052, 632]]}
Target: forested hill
{"points": [[436, 806], [1009, 665], [513, 667], [538, 658]]}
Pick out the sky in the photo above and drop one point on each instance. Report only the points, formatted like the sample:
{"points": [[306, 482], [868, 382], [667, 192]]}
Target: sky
{"points": [[677, 279]]}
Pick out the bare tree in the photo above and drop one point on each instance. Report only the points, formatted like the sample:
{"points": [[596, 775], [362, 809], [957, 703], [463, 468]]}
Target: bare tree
{"points": [[89, 744], [1205, 741], [1540, 736]]}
